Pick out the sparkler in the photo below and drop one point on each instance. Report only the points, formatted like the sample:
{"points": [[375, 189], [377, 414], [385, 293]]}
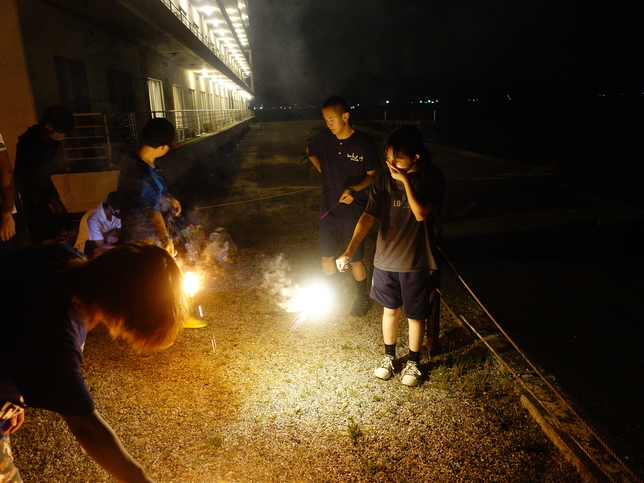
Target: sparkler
{"points": [[313, 300], [191, 285], [329, 210]]}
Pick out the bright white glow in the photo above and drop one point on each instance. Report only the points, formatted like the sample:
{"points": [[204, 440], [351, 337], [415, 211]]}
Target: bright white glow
{"points": [[314, 300], [208, 10], [191, 283]]}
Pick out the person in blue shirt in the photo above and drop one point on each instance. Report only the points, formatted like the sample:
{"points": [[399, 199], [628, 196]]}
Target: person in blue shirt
{"points": [[50, 298], [146, 205]]}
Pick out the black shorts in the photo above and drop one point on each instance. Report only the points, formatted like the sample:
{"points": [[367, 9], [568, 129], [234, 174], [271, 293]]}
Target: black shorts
{"points": [[410, 290], [335, 235]]}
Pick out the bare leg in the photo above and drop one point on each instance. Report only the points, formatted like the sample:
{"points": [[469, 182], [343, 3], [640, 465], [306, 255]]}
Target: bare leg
{"points": [[390, 321], [328, 265], [358, 271], [416, 334]]}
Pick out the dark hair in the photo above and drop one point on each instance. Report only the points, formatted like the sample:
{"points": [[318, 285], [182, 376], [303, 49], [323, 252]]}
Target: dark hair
{"points": [[158, 132], [409, 141], [60, 118], [113, 200], [136, 291], [338, 102]]}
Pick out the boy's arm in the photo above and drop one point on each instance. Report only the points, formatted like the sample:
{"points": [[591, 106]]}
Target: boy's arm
{"points": [[420, 210], [7, 196], [314, 160], [347, 195], [176, 205], [104, 446], [158, 223], [362, 228]]}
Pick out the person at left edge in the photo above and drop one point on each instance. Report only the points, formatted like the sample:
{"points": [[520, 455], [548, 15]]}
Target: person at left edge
{"points": [[47, 217], [10, 221], [50, 299]]}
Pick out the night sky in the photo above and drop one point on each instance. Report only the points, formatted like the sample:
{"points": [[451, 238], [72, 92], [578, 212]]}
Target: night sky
{"points": [[372, 50]]}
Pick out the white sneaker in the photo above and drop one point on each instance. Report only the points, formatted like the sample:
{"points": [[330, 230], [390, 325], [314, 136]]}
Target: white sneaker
{"points": [[386, 369], [411, 374]]}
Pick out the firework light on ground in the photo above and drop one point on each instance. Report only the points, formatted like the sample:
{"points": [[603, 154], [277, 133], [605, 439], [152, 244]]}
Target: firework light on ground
{"points": [[315, 299], [311, 300]]}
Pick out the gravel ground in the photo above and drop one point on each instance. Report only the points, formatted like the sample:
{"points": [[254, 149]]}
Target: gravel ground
{"points": [[249, 399]]}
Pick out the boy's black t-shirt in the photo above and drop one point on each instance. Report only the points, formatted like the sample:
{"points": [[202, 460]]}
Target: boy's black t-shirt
{"points": [[405, 244], [343, 163]]}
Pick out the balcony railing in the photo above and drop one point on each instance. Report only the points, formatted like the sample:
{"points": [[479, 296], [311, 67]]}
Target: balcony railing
{"points": [[98, 136], [194, 28]]}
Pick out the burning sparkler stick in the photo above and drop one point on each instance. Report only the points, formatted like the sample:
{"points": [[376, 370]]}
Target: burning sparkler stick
{"points": [[191, 285], [329, 210]]}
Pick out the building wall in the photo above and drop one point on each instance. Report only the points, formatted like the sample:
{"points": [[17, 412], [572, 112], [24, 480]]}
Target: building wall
{"points": [[49, 31], [33, 32], [17, 109]]}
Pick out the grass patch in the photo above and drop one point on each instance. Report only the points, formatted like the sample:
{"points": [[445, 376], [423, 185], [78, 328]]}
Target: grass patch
{"points": [[216, 441], [355, 433], [473, 371], [479, 375], [371, 467]]}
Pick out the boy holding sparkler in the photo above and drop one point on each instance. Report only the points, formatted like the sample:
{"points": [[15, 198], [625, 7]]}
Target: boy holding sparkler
{"points": [[405, 200], [347, 160], [146, 205], [50, 299]]}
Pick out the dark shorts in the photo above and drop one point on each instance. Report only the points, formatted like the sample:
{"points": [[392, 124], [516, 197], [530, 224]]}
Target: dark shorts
{"points": [[335, 235], [410, 290]]}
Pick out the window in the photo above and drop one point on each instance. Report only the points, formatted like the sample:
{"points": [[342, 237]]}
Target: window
{"points": [[177, 98], [72, 84], [155, 90], [203, 101], [191, 99], [121, 92]]}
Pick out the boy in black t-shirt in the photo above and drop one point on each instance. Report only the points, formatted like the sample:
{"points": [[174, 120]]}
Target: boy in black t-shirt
{"points": [[47, 217], [404, 199], [347, 160]]}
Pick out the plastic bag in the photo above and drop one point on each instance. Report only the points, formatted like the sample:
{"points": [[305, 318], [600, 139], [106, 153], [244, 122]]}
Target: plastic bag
{"points": [[221, 246]]}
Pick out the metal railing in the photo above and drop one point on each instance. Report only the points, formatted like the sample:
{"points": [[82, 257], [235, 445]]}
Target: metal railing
{"points": [[190, 124], [194, 28], [89, 148]]}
